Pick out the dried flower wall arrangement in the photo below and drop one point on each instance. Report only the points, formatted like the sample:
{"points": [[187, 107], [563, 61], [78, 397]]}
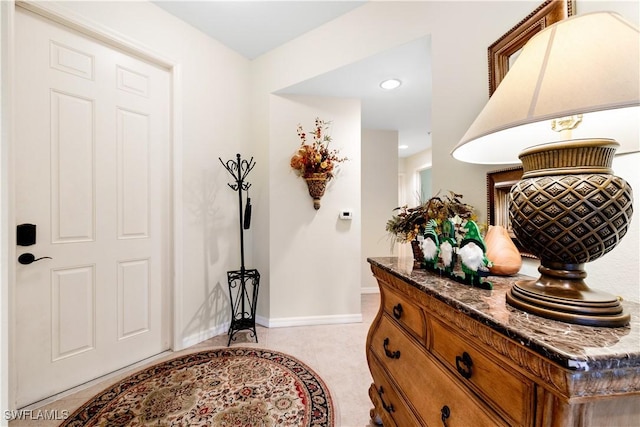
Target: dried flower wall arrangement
{"points": [[314, 161]]}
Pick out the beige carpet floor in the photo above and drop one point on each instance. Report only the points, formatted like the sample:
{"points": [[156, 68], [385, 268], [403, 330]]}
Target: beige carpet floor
{"points": [[335, 352]]}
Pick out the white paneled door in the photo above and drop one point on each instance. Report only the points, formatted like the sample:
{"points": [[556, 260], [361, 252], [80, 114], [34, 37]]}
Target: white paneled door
{"points": [[91, 172]]}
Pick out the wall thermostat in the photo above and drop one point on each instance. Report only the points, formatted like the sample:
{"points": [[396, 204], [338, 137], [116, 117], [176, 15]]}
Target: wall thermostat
{"points": [[346, 214]]}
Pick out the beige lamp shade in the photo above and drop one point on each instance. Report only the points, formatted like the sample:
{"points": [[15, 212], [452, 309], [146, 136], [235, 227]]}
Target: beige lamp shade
{"points": [[587, 64]]}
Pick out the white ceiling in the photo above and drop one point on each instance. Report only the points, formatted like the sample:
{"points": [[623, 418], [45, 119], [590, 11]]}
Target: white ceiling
{"points": [[252, 28]]}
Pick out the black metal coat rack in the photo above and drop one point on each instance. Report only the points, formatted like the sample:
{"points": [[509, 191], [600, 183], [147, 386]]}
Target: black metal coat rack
{"points": [[243, 283]]}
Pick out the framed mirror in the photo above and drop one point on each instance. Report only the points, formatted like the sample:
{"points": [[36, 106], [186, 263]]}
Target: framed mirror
{"points": [[504, 51], [499, 184]]}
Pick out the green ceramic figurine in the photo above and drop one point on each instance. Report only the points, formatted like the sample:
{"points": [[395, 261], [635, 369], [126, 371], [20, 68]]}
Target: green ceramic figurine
{"points": [[431, 245], [473, 259], [447, 246]]}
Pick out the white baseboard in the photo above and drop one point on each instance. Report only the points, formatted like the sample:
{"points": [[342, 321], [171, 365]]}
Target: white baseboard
{"points": [[370, 290], [197, 338], [262, 321], [284, 322]]}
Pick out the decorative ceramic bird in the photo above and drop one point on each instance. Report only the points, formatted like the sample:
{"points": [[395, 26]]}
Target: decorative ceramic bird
{"points": [[430, 245], [473, 257], [447, 246]]}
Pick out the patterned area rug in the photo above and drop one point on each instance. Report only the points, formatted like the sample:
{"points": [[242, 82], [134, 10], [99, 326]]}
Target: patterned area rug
{"points": [[240, 387]]}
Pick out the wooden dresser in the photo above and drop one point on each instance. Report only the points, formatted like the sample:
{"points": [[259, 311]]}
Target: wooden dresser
{"points": [[444, 354]]}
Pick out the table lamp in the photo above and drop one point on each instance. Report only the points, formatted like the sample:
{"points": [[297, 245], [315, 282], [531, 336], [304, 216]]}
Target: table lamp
{"points": [[571, 99]]}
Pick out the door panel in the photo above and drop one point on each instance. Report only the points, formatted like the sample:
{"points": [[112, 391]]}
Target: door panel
{"points": [[73, 311], [72, 168], [91, 167], [133, 298], [133, 174]]}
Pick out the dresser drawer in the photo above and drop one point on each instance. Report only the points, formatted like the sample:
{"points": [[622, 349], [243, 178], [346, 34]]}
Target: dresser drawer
{"points": [[386, 399], [510, 394], [407, 314], [433, 389]]}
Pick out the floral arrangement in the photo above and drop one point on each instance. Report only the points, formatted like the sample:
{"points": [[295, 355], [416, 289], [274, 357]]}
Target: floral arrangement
{"points": [[408, 223], [315, 157]]}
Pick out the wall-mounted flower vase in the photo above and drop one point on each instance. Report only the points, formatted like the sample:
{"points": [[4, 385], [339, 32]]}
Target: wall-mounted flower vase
{"points": [[317, 183]]}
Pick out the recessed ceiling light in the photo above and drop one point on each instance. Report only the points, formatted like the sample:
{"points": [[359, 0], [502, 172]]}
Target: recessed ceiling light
{"points": [[403, 147], [390, 84]]}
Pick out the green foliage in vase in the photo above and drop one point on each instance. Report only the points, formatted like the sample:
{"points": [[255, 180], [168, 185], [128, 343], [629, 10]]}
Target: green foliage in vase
{"points": [[405, 225]]}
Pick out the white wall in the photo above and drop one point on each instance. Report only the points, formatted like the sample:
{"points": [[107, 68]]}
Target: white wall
{"points": [[315, 256], [379, 197]]}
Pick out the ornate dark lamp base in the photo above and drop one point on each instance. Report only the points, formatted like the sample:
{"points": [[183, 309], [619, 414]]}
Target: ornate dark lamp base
{"points": [[569, 209], [563, 295]]}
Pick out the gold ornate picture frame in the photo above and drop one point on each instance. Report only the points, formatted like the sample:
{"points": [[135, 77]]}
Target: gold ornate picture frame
{"points": [[503, 52]]}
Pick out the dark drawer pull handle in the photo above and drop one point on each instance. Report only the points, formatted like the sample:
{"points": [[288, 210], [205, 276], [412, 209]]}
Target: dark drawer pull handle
{"points": [[445, 413], [465, 360], [390, 354], [397, 311], [389, 408]]}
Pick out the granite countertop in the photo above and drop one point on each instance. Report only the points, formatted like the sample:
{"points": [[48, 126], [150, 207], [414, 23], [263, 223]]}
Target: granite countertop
{"points": [[576, 347]]}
